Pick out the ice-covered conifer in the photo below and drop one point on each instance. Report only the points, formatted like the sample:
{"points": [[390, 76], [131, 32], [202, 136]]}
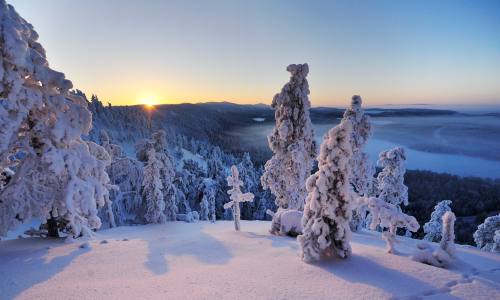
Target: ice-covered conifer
{"points": [[207, 205], [362, 172], [328, 211], [152, 189], [485, 234], [433, 228], [292, 142], [391, 179], [167, 174], [496, 242], [236, 196], [448, 235], [57, 178]]}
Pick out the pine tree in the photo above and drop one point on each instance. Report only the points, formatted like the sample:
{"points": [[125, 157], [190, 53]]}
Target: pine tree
{"points": [[292, 142], [167, 174], [152, 189], [60, 178], [236, 196], [391, 179], [362, 173], [433, 228], [485, 235], [328, 211]]}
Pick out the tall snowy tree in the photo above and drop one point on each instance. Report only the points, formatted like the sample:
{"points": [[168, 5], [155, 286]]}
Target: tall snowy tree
{"points": [[58, 177], [167, 174], [236, 196], [432, 229], [390, 180], [362, 170], [328, 211], [292, 142], [152, 189], [207, 205], [362, 174], [486, 233]]}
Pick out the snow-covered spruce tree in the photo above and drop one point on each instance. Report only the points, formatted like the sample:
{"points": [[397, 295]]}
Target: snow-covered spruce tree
{"points": [[236, 196], [448, 235], [57, 178], [167, 174], [152, 189], [391, 179], [328, 211], [485, 234], [292, 142], [207, 205], [362, 173], [433, 228]]}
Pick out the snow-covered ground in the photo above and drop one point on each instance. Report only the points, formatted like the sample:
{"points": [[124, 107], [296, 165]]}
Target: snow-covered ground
{"points": [[211, 261]]}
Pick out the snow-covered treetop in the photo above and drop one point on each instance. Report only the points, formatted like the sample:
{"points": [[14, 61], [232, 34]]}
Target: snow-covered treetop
{"points": [[391, 180], [27, 82], [362, 129]]}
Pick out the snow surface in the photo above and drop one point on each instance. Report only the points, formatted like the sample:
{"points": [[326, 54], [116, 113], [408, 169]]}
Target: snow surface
{"points": [[203, 260]]}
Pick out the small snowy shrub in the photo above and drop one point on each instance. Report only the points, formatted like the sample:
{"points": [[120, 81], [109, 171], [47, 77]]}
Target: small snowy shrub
{"points": [[328, 211], [286, 222], [388, 216], [292, 142], [428, 255], [433, 228], [485, 234], [236, 196]]}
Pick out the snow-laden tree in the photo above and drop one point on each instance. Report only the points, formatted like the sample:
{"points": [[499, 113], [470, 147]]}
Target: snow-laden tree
{"points": [[57, 176], [127, 174], [391, 179], [485, 234], [362, 172], [388, 216], [496, 242], [292, 142], [207, 205], [362, 169], [236, 196], [433, 228], [152, 189], [167, 174], [328, 211], [447, 242]]}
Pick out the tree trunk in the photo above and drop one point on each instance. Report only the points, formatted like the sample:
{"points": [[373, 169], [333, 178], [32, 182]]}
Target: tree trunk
{"points": [[52, 228]]}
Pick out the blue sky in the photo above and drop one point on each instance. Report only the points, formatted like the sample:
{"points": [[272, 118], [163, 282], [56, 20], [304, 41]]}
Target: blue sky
{"points": [[389, 52]]}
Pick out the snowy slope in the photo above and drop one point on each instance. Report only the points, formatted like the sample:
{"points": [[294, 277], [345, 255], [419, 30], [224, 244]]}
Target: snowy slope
{"points": [[211, 261]]}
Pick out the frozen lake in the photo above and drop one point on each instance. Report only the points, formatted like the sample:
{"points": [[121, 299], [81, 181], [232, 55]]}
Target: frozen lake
{"points": [[459, 144]]}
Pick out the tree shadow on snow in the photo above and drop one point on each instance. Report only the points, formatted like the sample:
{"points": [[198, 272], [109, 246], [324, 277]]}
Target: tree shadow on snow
{"points": [[25, 263], [359, 269], [196, 243], [277, 241]]}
